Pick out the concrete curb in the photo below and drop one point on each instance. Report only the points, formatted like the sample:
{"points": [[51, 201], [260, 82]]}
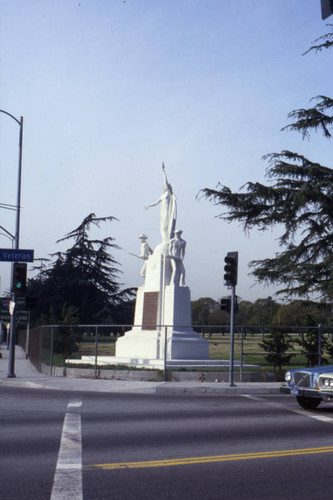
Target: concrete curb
{"points": [[133, 387], [28, 377], [217, 390]]}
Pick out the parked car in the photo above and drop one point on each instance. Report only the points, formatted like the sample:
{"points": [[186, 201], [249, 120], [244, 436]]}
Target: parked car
{"points": [[311, 386]]}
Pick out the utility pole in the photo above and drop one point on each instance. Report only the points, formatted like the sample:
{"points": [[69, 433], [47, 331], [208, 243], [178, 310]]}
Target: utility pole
{"points": [[11, 363]]}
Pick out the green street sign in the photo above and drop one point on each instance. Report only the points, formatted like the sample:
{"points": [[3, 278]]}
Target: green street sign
{"points": [[20, 303], [22, 314], [5, 317], [22, 317]]}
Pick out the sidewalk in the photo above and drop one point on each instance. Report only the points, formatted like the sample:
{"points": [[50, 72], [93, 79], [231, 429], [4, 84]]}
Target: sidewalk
{"points": [[27, 376]]}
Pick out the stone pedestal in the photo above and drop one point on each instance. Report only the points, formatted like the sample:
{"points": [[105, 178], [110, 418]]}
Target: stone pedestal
{"points": [[162, 323]]}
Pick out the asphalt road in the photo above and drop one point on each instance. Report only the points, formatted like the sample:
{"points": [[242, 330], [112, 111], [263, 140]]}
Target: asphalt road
{"points": [[118, 446]]}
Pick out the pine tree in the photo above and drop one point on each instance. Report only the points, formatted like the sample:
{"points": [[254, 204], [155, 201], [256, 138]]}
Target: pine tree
{"points": [[299, 197], [276, 345], [309, 343], [84, 277]]}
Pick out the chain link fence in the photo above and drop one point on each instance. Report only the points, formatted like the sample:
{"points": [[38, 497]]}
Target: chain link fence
{"points": [[48, 347]]}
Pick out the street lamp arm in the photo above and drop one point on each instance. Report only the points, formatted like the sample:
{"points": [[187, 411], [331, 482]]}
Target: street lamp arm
{"points": [[6, 113], [7, 232]]}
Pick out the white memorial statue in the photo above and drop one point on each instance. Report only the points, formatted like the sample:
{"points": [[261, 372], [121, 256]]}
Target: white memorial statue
{"points": [[168, 210], [176, 254], [162, 330], [145, 252]]}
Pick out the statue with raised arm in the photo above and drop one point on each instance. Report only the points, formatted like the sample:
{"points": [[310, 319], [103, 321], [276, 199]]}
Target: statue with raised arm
{"points": [[144, 254], [176, 254], [168, 210]]}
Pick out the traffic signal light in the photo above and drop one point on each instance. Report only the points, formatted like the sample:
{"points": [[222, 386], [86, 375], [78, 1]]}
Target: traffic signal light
{"points": [[231, 268], [19, 278], [226, 304]]}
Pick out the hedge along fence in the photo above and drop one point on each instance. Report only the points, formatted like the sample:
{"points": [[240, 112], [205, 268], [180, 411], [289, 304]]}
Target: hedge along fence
{"points": [[51, 345]]}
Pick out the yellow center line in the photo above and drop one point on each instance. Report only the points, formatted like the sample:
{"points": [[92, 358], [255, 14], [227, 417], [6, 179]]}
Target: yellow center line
{"points": [[203, 460]]}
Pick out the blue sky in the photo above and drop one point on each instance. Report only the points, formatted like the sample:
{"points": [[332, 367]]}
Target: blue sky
{"points": [[111, 88]]}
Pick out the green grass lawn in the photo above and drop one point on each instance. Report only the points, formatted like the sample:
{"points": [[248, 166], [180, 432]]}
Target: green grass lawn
{"points": [[219, 348]]}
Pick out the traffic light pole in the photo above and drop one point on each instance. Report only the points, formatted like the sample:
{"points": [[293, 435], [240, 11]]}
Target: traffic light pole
{"points": [[232, 339], [230, 279]]}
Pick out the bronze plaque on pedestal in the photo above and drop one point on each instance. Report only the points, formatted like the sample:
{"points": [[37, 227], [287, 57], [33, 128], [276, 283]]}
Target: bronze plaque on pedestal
{"points": [[150, 307]]}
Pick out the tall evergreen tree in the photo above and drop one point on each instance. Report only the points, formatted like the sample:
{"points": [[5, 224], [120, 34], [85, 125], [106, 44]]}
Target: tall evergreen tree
{"points": [[84, 277], [309, 343], [299, 197], [276, 345]]}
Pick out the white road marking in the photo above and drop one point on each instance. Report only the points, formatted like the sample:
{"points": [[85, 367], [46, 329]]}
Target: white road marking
{"points": [[305, 413], [74, 404], [67, 481]]}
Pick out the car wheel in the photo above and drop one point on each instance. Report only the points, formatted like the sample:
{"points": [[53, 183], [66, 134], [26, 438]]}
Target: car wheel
{"points": [[308, 403]]}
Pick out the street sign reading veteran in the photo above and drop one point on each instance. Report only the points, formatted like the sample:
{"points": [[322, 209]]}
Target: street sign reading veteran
{"points": [[10, 255]]}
